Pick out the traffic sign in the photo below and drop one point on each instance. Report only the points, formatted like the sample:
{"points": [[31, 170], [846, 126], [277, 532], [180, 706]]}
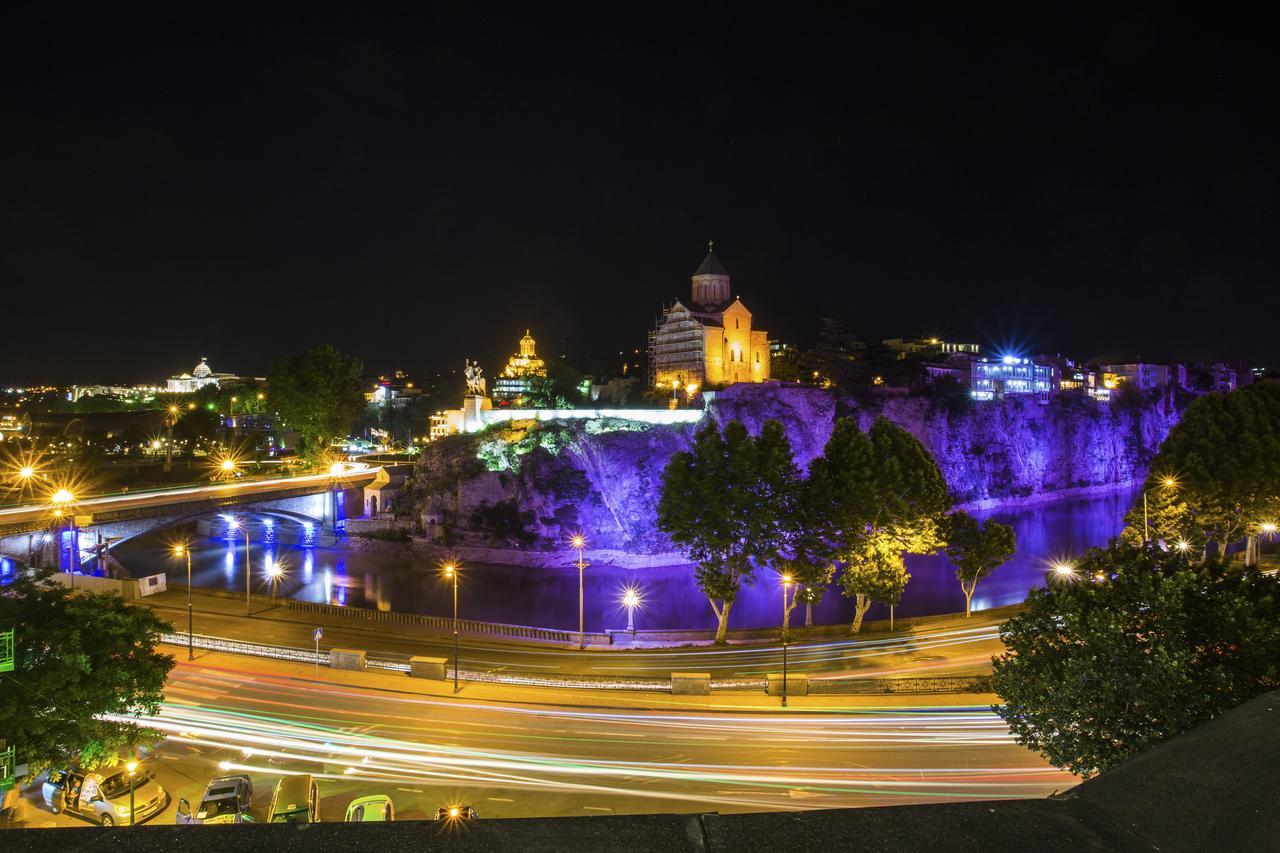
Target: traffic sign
{"points": [[317, 634]]}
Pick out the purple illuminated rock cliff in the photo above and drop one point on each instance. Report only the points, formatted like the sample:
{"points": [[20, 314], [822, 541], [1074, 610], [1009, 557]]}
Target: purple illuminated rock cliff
{"points": [[603, 477]]}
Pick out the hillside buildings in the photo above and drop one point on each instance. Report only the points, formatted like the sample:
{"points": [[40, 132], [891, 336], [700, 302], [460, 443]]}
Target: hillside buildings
{"points": [[516, 379]]}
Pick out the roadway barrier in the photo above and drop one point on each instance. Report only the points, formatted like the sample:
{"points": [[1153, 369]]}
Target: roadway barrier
{"points": [[797, 684], [425, 667], [691, 683], [931, 684], [352, 659], [444, 624]]}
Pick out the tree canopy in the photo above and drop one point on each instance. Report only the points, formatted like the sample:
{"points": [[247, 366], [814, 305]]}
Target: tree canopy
{"points": [[977, 549], [880, 496], [1224, 457], [318, 393], [727, 502], [78, 655], [1099, 670]]}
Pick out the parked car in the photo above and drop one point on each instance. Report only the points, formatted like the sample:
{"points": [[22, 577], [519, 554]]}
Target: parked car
{"points": [[459, 812], [225, 800], [371, 809], [103, 796], [295, 801]]}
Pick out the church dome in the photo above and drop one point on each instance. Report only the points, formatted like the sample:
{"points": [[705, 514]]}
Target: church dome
{"points": [[202, 369]]}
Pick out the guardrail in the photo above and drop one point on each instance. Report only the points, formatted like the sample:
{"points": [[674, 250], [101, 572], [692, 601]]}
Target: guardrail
{"points": [[444, 624], [296, 655]]}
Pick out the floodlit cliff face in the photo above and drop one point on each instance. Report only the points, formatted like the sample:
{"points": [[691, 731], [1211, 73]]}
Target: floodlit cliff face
{"points": [[604, 478]]}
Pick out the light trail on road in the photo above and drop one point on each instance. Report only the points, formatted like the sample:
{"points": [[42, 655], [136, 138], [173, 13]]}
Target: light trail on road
{"points": [[626, 760]]}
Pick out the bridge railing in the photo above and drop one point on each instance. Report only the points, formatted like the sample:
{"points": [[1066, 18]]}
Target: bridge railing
{"points": [[444, 625]]}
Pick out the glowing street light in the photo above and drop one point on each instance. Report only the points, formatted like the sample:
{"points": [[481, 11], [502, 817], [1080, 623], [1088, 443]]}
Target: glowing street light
{"points": [[26, 472], [1165, 483], [185, 551], [171, 418], [786, 585], [132, 767], [1063, 571], [578, 541], [1182, 546], [61, 498], [274, 571], [632, 598], [451, 574]]}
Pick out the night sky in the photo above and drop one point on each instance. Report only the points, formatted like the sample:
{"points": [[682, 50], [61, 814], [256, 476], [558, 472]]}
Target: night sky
{"points": [[420, 189]]}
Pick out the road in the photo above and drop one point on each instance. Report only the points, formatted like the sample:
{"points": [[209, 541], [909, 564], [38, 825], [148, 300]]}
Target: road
{"points": [[362, 733], [353, 473], [949, 646]]}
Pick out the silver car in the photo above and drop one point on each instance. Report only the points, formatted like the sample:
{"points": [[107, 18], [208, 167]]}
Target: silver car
{"points": [[103, 796]]}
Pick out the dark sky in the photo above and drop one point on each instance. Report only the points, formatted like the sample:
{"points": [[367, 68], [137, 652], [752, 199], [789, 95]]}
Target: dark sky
{"points": [[419, 189]]}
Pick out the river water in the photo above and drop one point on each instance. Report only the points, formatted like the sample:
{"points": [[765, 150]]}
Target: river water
{"points": [[548, 597]]}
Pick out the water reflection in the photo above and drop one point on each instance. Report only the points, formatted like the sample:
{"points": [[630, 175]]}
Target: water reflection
{"points": [[549, 597]]}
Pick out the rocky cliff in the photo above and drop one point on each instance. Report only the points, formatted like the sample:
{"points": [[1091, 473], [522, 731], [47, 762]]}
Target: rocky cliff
{"points": [[604, 477]]}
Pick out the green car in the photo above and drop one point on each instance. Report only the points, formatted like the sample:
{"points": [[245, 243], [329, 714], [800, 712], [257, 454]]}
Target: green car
{"points": [[377, 808]]}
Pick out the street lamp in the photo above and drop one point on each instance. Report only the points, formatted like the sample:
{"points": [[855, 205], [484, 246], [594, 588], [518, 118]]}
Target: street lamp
{"points": [[170, 419], [1182, 546], [786, 584], [1165, 483], [1064, 571], [451, 573], [274, 571], [185, 551], [62, 499], [132, 767], [631, 599], [336, 470], [579, 542]]}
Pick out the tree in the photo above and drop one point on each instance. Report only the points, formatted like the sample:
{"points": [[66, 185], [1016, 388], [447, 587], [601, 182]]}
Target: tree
{"points": [[724, 502], [881, 496], [1097, 671], [79, 656], [561, 388], [977, 549], [319, 393], [1225, 458]]}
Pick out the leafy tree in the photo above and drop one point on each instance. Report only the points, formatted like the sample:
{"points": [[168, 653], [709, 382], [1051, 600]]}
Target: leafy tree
{"points": [[79, 655], [977, 549], [561, 388], [881, 496], [1225, 457], [1095, 672], [724, 501], [319, 393]]}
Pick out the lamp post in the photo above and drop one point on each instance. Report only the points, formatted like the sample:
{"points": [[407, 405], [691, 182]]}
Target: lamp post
{"points": [[451, 572], [132, 767], [786, 584], [62, 501], [336, 470], [274, 571], [1166, 483], [631, 599], [170, 419], [579, 542], [185, 551]]}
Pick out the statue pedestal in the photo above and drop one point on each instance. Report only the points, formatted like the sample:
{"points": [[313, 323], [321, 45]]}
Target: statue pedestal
{"points": [[472, 406]]}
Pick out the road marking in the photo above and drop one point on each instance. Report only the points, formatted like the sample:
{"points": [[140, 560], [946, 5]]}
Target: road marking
{"points": [[500, 800], [410, 790], [597, 809]]}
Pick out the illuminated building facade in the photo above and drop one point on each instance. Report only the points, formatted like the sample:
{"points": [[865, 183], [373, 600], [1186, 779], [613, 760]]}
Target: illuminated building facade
{"points": [[928, 346], [709, 341], [199, 377], [516, 378], [995, 379]]}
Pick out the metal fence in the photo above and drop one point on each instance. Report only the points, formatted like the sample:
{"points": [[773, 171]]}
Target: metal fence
{"points": [[444, 624]]}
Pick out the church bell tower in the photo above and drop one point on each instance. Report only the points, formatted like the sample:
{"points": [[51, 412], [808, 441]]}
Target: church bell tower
{"points": [[710, 282]]}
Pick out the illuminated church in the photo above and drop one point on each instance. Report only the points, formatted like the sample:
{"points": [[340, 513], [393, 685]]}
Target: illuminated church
{"points": [[707, 339], [516, 380]]}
